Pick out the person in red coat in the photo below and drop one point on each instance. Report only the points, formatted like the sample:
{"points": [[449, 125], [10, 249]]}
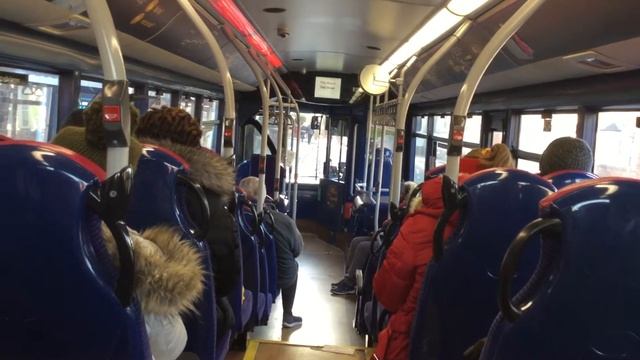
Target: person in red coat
{"points": [[398, 282]]}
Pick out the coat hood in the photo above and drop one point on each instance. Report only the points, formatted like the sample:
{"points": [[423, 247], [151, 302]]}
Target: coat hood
{"points": [[208, 168], [168, 275]]}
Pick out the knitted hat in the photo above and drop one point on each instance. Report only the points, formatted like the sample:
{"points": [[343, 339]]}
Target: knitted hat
{"points": [[566, 153], [173, 124]]}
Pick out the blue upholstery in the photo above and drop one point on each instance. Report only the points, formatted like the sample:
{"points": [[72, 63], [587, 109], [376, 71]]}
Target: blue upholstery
{"points": [[57, 298], [272, 260], [458, 298], [563, 178], [158, 199], [264, 281], [585, 303], [248, 229], [243, 170]]}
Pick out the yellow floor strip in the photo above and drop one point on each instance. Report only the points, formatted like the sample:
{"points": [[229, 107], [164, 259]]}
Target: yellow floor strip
{"points": [[277, 350]]}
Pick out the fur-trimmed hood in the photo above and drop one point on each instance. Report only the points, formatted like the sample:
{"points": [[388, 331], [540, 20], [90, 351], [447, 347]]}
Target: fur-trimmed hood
{"points": [[208, 168], [168, 275]]}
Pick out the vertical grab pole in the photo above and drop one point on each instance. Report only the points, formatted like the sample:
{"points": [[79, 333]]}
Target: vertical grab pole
{"points": [[354, 147], [403, 106], [373, 150], [398, 149], [117, 117], [376, 215], [488, 53], [276, 184], [368, 140], [295, 176], [227, 82], [286, 134]]}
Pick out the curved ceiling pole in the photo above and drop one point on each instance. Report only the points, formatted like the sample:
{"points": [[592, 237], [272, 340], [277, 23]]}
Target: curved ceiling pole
{"points": [[405, 101], [115, 90], [223, 69], [488, 53], [264, 88]]}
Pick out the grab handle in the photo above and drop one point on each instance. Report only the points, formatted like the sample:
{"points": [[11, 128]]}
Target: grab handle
{"points": [[201, 229], [510, 261], [452, 202], [110, 202]]}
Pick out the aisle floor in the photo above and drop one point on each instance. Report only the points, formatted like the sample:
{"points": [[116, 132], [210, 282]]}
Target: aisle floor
{"points": [[327, 319]]}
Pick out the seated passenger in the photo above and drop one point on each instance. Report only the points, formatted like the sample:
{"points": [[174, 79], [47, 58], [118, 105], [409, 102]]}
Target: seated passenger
{"points": [[566, 153], [176, 130], [398, 282], [88, 140], [169, 279], [289, 245], [359, 250]]}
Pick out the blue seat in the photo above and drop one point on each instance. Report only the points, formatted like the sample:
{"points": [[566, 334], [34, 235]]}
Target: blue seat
{"points": [[58, 298], [249, 227], [158, 198], [563, 178], [582, 301], [264, 279], [458, 301]]}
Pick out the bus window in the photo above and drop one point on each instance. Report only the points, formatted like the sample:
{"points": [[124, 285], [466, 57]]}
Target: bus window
{"points": [[441, 153], [421, 124], [159, 98], [209, 123], [534, 139], [441, 126], [420, 160], [528, 165], [466, 150], [472, 129], [617, 145], [188, 104], [26, 107]]}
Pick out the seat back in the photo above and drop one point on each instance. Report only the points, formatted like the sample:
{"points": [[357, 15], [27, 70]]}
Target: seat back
{"points": [[581, 303], [58, 298], [249, 227], [563, 178], [458, 300], [159, 198]]}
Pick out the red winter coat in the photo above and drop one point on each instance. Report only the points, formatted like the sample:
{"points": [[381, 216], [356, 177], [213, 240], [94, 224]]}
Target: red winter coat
{"points": [[398, 282]]}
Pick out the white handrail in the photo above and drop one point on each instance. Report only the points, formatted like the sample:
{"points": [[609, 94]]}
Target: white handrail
{"points": [[488, 53], [113, 69], [223, 69], [367, 163]]}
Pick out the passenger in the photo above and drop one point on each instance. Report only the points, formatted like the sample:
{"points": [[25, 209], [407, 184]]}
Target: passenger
{"points": [[289, 245], [76, 118], [168, 277], [359, 250], [566, 153], [398, 282], [176, 130], [89, 141]]}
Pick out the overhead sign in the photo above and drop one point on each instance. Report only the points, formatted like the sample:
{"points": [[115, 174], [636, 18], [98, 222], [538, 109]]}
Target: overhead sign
{"points": [[327, 87]]}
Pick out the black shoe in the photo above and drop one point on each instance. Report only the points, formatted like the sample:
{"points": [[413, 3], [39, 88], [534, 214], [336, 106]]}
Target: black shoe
{"points": [[335, 285], [289, 321], [344, 289]]}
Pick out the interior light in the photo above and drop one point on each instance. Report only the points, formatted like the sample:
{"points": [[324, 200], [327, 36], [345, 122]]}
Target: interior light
{"points": [[465, 7], [439, 24]]}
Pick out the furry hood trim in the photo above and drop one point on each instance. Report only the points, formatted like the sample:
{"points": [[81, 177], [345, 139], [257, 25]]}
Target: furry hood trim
{"points": [[168, 276], [208, 168]]}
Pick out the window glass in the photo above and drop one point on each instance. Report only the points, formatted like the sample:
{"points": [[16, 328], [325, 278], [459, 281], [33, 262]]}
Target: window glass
{"points": [[472, 129], [159, 98], [209, 123], [618, 145], [441, 126], [530, 166], [420, 160], [421, 124], [441, 153], [466, 150], [188, 104], [313, 147], [532, 137], [26, 104]]}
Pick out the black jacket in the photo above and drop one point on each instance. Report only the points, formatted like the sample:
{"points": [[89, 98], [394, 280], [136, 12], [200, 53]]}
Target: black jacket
{"points": [[289, 245]]}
